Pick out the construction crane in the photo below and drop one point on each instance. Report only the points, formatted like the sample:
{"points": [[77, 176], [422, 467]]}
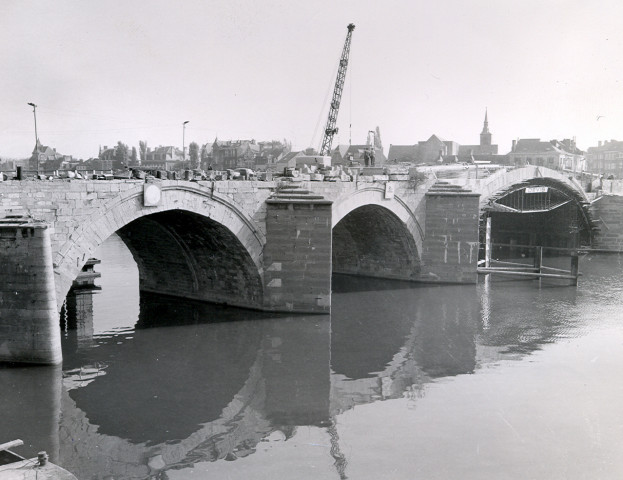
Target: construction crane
{"points": [[330, 128]]}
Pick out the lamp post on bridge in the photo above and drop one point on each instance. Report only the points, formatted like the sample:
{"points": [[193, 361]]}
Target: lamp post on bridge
{"points": [[34, 112], [183, 141]]}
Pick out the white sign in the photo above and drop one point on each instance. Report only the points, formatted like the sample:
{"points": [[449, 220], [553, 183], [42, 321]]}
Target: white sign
{"points": [[151, 195], [536, 189], [389, 190]]}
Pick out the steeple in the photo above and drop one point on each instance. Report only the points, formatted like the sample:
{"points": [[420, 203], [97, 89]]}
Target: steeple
{"points": [[485, 135], [485, 127]]}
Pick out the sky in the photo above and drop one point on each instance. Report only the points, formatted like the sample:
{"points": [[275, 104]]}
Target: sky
{"points": [[103, 71]]}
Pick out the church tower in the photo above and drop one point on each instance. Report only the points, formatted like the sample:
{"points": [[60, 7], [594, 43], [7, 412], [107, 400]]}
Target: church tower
{"points": [[485, 135]]}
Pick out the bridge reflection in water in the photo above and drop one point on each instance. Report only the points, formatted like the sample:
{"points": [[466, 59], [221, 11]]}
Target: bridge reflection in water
{"points": [[187, 383]]}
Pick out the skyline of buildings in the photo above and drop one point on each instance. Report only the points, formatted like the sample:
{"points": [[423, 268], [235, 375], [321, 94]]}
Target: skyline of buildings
{"points": [[606, 157]]}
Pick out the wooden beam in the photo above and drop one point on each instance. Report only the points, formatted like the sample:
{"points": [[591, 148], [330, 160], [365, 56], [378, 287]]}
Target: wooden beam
{"points": [[528, 274], [11, 444]]}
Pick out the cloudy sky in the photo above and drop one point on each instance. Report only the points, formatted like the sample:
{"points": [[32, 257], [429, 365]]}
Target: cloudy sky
{"points": [[107, 70]]}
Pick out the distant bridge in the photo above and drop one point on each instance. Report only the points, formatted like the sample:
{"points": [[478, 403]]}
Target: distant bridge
{"points": [[262, 245]]}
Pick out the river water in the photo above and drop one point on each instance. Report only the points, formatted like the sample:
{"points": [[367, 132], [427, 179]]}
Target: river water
{"points": [[500, 380]]}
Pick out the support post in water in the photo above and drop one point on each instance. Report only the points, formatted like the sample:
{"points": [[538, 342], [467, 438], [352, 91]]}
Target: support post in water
{"points": [[538, 259], [575, 265], [487, 241]]}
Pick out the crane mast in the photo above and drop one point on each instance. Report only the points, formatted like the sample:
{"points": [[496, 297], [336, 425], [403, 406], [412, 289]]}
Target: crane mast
{"points": [[330, 128]]}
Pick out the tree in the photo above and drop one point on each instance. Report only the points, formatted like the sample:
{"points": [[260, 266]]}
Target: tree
{"points": [[287, 146], [121, 155], [142, 146], [133, 157], [193, 153]]}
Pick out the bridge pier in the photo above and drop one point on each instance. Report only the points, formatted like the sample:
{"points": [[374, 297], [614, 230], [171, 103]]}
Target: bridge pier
{"points": [[29, 331], [450, 247], [297, 255]]}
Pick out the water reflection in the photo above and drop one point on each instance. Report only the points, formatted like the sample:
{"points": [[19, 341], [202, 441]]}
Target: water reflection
{"points": [[389, 342], [193, 382], [30, 402], [521, 320], [181, 384]]}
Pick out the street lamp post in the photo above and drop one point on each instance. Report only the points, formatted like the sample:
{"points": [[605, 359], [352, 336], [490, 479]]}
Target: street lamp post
{"points": [[34, 112], [183, 140]]}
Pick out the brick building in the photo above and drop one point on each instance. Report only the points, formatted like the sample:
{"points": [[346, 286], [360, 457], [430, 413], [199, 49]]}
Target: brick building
{"points": [[234, 153], [560, 155], [606, 158], [44, 157]]}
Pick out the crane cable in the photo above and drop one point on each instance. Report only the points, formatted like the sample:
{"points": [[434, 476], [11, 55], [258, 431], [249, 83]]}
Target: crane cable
{"points": [[324, 104], [350, 105]]}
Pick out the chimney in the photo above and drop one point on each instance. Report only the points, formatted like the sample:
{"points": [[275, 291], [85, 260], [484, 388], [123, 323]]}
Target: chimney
{"points": [[599, 143], [514, 145]]}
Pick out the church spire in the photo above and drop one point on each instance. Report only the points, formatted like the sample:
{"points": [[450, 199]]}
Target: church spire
{"points": [[485, 136], [485, 127]]}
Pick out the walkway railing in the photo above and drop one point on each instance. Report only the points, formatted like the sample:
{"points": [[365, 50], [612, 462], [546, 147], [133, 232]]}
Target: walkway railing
{"points": [[530, 263]]}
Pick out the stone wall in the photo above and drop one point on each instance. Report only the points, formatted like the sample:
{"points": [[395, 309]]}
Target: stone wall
{"points": [[607, 213], [450, 252], [297, 256], [29, 330], [83, 214]]}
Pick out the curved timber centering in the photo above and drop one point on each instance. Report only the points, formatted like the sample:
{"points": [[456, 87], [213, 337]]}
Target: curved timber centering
{"points": [[558, 215]]}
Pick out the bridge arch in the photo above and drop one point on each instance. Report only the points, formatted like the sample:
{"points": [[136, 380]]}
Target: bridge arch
{"points": [[536, 206], [194, 243], [375, 236], [504, 179]]}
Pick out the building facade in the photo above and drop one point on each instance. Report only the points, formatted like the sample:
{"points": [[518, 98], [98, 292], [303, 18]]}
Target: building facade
{"points": [[44, 157], [346, 155], [606, 158], [228, 154], [555, 154]]}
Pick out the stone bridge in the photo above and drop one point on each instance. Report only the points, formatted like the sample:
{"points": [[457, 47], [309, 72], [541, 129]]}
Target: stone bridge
{"points": [[263, 245]]}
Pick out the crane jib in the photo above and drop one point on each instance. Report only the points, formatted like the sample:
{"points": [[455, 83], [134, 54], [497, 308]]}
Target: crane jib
{"points": [[330, 128]]}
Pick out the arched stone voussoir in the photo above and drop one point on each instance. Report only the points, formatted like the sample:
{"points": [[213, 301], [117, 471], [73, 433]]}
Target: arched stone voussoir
{"points": [[114, 214], [376, 196]]}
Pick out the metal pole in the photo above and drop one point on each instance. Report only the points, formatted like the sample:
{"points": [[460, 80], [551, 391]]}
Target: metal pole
{"points": [[183, 140], [488, 243], [34, 112], [575, 263]]}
